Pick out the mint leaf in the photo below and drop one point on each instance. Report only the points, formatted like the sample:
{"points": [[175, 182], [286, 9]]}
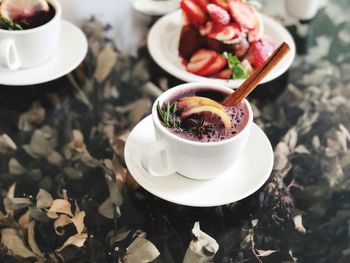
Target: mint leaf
{"points": [[238, 70]]}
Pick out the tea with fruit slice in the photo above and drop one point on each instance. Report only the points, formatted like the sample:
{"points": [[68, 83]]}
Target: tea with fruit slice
{"points": [[197, 115], [25, 14]]}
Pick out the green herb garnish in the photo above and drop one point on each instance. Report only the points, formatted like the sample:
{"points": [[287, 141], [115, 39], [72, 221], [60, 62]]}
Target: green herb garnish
{"points": [[167, 115], [9, 24], [236, 66]]}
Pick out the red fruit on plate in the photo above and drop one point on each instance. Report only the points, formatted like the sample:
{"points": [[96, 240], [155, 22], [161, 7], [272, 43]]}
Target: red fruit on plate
{"points": [[243, 13], [193, 11], [221, 3], [202, 4], [224, 74], [206, 28], [218, 14], [241, 47], [224, 33], [245, 63], [213, 44], [185, 19], [202, 54], [258, 53], [190, 41], [213, 67], [200, 60], [258, 30]]}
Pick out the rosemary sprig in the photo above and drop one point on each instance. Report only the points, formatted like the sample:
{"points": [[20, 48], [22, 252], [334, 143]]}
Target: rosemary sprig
{"points": [[9, 24], [167, 115]]}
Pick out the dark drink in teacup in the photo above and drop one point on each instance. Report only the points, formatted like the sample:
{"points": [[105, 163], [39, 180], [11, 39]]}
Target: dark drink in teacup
{"points": [[25, 14], [196, 136], [35, 19], [29, 32], [196, 114]]}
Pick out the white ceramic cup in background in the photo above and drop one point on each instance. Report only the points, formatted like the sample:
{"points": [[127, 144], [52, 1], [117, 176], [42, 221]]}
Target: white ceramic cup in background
{"points": [[195, 160], [302, 9], [31, 47]]}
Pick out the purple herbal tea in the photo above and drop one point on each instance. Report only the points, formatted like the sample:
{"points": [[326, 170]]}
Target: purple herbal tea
{"points": [[191, 116]]}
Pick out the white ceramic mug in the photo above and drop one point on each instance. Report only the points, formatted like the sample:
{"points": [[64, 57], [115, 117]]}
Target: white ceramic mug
{"points": [[195, 160], [31, 47], [302, 9]]}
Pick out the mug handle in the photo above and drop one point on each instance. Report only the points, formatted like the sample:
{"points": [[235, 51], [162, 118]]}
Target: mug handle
{"points": [[8, 55], [158, 149]]}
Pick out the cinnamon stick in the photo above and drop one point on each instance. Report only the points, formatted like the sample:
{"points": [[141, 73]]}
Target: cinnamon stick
{"points": [[253, 80]]}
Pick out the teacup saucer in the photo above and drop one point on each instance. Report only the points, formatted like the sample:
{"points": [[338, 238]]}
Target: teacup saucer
{"points": [[245, 177], [71, 51]]}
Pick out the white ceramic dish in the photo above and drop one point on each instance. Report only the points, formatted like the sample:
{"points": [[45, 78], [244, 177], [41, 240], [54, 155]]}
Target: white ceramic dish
{"points": [[154, 7], [245, 177], [71, 51], [163, 41]]}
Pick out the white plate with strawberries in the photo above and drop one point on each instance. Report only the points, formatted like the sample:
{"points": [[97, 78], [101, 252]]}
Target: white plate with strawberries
{"points": [[217, 41]]}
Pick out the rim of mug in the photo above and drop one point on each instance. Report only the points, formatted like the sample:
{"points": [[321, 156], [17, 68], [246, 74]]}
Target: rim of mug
{"points": [[58, 10], [164, 130]]}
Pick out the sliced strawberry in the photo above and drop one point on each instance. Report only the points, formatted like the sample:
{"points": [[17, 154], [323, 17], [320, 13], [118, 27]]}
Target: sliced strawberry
{"points": [[185, 19], [243, 13], [218, 14], [258, 52], [202, 54], [206, 28], [241, 47], [224, 33], [200, 60], [245, 63], [224, 74], [202, 4], [214, 67], [193, 11], [221, 3], [258, 30]]}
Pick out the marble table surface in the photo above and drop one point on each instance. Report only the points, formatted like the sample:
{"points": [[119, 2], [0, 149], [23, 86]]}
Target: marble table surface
{"points": [[67, 196]]}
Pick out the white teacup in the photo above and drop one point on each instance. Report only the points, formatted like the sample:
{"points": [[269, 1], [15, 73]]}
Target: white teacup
{"points": [[302, 9], [31, 47], [192, 159]]}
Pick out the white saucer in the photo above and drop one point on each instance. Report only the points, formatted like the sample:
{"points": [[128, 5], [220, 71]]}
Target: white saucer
{"points": [[163, 42], [71, 51], [155, 7], [245, 177]]}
